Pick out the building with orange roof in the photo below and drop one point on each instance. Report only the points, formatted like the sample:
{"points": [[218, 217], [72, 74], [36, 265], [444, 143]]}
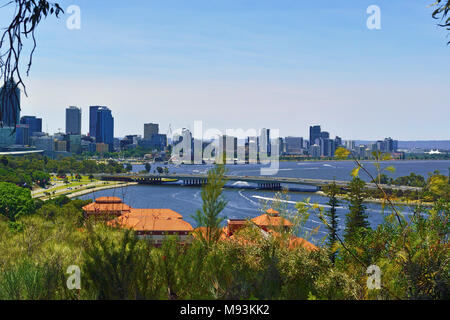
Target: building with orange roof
{"points": [[151, 224], [266, 225], [106, 208], [272, 220]]}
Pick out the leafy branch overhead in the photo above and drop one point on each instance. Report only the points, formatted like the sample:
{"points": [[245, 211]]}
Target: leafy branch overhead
{"points": [[442, 13], [27, 16]]}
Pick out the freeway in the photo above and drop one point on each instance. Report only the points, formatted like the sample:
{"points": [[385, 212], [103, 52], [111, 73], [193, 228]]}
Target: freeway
{"points": [[262, 181]]}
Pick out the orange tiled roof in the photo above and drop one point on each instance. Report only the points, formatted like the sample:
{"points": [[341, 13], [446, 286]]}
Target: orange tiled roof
{"points": [[272, 212], [108, 200], [296, 242], [104, 206], [151, 223], [159, 213], [267, 220]]}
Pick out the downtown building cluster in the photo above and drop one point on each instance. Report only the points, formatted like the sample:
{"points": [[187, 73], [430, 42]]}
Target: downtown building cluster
{"points": [[25, 133], [320, 145]]}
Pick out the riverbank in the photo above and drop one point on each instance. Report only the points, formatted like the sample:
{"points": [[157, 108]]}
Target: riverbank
{"points": [[88, 189], [382, 201]]}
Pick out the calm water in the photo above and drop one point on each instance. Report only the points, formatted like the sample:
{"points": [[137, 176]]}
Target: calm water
{"points": [[247, 203]]}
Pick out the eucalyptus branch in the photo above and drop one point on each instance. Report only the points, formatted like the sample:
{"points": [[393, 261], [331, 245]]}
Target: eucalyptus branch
{"points": [[358, 260], [28, 14]]}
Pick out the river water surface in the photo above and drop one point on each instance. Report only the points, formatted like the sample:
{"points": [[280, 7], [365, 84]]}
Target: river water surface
{"points": [[245, 202]]}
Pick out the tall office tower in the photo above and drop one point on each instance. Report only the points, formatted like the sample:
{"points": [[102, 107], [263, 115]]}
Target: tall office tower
{"points": [[105, 127], [325, 135], [314, 134], [150, 129], [314, 151], [338, 141], [73, 121], [281, 146], [395, 145], [350, 145], [10, 104], [294, 145], [228, 147], [391, 145], [264, 141], [28, 126], [93, 120], [328, 147]]}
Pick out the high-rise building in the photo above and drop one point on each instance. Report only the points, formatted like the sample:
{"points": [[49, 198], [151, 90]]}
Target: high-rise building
{"points": [[325, 135], [314, 134], [93, 120], [328, 147], [150, 129], [391, 145], [10, 104], [314, 151], [252, 150], [28, 126], [294, 145], [350, 145], [265, 144], [43, 142], [73, 143], [73, 121], [105, 127], [227, 148]]}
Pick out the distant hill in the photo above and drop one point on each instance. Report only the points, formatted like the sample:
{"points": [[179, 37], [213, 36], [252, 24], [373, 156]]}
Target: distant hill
{"points": [[431, 144]]}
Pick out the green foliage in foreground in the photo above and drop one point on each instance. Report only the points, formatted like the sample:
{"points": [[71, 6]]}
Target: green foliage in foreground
{"points": [[116, 265], [15, 201]]}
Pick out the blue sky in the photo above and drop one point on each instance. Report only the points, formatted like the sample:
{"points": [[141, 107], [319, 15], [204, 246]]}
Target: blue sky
{"points": [[248, 64]]}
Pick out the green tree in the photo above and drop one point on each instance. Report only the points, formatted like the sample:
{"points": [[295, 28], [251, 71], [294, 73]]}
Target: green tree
{"points": [[356, 218], [332, 191], [213, 204], [15, 201]]}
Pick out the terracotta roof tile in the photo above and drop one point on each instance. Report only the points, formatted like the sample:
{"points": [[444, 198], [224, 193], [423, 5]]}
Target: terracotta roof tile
{"points": [[266, 220]]}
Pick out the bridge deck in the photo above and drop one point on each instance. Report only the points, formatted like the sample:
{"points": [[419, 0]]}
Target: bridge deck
{"points": [[258, 180]]}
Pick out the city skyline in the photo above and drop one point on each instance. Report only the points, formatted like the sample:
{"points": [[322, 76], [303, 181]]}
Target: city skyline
{"points": [[247, 65]]}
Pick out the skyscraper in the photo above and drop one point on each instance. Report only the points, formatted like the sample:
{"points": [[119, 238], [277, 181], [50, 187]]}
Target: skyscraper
{"points": [[150, 129], [105, 127], [73, 121], [314, 134], [10, 104], [294, 145], [27, 127], [265, 143], [93, 120]]}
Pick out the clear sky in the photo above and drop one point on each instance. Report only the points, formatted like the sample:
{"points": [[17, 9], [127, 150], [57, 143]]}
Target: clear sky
{"points": [[247, 64]]}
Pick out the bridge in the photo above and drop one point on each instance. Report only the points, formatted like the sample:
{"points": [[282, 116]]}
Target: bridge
{"points": [[268, 183]]}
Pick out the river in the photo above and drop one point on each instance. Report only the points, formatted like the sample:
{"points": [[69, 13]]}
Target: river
{"points": [[247, 203]]}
